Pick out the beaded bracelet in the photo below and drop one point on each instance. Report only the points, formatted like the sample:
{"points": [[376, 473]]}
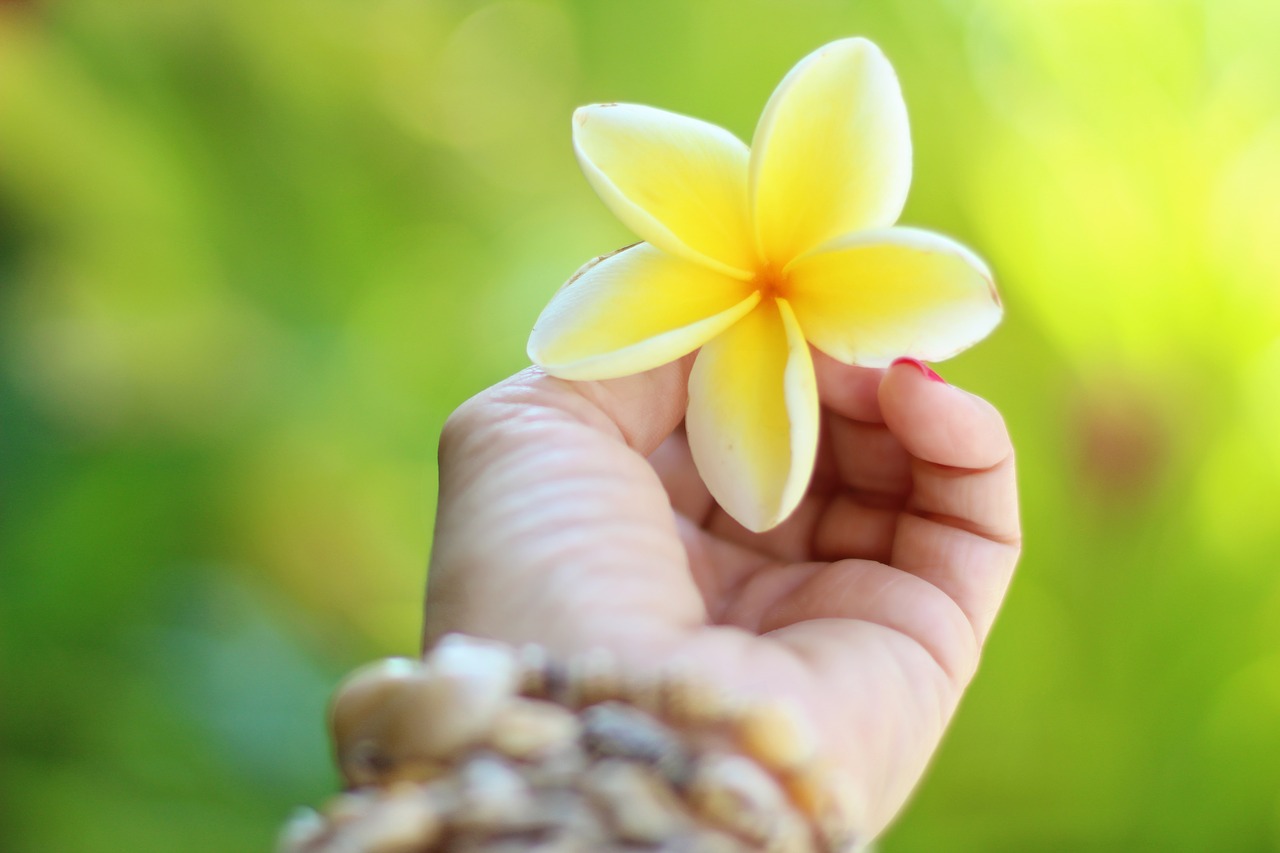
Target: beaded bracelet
{"points": [[483, 747]]}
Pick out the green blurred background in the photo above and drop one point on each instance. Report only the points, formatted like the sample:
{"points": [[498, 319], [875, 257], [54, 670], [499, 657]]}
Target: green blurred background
{"points": [[253, 252]]}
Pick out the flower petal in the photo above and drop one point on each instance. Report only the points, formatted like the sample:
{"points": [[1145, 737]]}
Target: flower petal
{"points": [[632, 311], [877, 295], [832, 152], [753, 416], [678, 183]]}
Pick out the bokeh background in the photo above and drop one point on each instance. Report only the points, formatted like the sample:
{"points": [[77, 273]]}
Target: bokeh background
{"points": [[253, 252]]}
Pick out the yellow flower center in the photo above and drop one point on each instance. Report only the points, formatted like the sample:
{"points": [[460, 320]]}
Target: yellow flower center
{"points": [[770, 282]]}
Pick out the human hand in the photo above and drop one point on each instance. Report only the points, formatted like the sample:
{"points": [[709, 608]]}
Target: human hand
{"points": [[867, 608]]}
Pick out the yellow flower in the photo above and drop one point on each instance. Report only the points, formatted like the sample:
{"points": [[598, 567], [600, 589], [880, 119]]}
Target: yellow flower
{"points": [[752, 254]]}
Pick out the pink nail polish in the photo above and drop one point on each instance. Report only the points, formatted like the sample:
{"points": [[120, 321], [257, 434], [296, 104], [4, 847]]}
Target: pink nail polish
{"points": [[922, 367]]}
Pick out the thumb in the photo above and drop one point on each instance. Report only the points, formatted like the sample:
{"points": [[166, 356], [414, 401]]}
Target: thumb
{"points": [[641, 410], [550, 519]]}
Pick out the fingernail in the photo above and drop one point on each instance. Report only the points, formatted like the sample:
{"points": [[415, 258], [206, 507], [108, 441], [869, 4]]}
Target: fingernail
{"points": [[922, 367]]}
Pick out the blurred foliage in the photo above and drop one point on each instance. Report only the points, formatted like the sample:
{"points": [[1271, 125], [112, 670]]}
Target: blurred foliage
{"points": [[252, 252]]}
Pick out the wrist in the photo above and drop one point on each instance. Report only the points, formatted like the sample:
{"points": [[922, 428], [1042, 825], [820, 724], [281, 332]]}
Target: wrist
{"points": [[485, 747]]}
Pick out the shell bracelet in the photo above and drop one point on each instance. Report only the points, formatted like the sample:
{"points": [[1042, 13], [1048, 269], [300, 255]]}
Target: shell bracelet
{"points": [[485, 747]]}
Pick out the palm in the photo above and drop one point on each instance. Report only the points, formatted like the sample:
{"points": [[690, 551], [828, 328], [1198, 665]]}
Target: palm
{"points": [[861, 486]]}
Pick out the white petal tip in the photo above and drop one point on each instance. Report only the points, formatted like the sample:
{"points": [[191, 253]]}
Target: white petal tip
{"points": [[584, 113], [852, 43], [764, 523]]}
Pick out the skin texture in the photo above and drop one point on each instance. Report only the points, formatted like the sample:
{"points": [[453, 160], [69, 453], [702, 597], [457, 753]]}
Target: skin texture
{"points": [[868, 608]]}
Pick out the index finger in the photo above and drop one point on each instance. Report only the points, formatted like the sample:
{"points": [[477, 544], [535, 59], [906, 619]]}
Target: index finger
{"points": [[960, 529]]}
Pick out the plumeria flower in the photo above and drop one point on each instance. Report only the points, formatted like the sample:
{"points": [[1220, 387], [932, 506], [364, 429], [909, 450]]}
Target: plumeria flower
{"points": [[754, 254]]}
